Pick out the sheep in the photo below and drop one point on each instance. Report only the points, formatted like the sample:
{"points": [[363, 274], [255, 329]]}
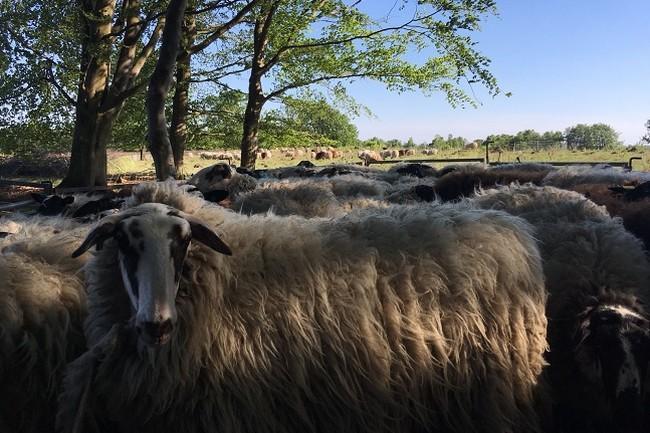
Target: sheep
{"points": [[597, 277], [315, 197], [463, 182], [525, 166], [570, 176], [368, 156], [415, 169], [42, 306], [634, 213], [389, 153], [223, 177], [77, 205], [371, 322], [323, 154]]}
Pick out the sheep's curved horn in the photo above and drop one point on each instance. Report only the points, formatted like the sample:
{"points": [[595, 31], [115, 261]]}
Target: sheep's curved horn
{"points": [[99, 234], [205, 235]]}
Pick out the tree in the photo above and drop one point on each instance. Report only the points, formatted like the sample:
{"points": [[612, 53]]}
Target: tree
{"points": [[303, 43], [235, 12], [646, 137], [159, 85], [317, 117], [597, 136], [111, 61]]}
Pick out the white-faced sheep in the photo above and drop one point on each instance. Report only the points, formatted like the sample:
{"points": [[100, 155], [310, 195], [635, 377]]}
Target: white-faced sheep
{"points": [[403, 319], [42, 306], [596, 274], [222, 177]]}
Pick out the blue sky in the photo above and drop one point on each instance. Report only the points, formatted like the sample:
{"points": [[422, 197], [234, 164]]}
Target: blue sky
{"points": [[565, 62]]}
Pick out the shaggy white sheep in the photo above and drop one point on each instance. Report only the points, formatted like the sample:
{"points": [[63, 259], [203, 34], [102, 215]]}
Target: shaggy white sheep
{"points": [[222, 176], [312, 197], [397, 319], [42, 305], [596, 273], [570, 176]]}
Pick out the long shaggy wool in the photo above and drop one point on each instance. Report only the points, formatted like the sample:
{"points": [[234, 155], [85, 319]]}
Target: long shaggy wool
{"points": [[313, 197], [42, 306], [635, 214], [570, 176], [589, 259], [404, 319], [584, 249], [464, 182]]}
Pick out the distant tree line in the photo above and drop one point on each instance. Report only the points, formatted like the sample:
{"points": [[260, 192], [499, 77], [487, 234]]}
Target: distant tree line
{"points": [[578, 137]]}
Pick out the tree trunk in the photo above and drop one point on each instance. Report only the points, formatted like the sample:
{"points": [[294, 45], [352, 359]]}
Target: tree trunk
{"points": [[256, 99], [161, 79], [94, 70], [249, 143], [181, 95]]}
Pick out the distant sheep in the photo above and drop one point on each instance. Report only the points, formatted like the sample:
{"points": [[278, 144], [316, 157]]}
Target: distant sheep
{"points": [[598, 278], [369, 323], [368, 156], [389, 153], [323, 154]]}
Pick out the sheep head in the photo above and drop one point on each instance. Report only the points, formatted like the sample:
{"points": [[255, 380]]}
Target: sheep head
{"points": [[152, 243], [613, 350]]}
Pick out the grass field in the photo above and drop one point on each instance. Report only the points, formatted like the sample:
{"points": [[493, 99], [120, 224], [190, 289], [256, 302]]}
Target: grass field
{"points": [[122, 163]]}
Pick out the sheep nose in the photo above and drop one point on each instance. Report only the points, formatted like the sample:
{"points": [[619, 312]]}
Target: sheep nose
{"points": [[157, 329]]}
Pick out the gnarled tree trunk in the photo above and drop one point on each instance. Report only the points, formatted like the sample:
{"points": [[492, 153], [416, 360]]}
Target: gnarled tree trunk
{"points": [[181, 95], [159, 85], [85, 169]]}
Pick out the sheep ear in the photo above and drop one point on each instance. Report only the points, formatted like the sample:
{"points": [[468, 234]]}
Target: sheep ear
{"points": [[206, 236], [97, 236]]}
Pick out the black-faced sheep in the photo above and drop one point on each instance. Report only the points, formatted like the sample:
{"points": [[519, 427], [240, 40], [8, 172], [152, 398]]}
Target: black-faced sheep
{"points": [[42, 306], [596, 274], [370, 323]]}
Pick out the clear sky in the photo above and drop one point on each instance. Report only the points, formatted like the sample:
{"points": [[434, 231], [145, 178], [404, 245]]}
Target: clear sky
{"points": [[565, 62]]}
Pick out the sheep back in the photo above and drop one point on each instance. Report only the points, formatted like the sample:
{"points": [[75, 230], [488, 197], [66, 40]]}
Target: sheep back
{"points": [[383, 320]]}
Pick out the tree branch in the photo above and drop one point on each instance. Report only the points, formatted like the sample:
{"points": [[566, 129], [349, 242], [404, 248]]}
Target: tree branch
{"points": [[288, 87], [49, 76], [224, 27], [273, 60]]}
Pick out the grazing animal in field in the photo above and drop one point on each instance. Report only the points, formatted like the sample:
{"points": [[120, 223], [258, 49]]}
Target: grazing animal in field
{"points": [[369, 323]]}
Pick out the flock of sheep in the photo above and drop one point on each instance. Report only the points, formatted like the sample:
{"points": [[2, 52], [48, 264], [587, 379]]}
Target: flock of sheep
{"points": [[337, 298]]}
